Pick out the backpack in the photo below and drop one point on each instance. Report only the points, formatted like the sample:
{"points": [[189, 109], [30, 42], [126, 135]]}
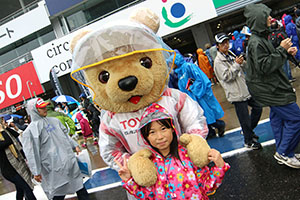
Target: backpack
{"points": [[276, 37], [273, 39], [238, 45]]}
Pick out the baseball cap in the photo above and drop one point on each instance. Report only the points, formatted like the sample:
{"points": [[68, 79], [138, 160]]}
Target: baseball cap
{"points": [[220, 37], [273, 20], [40, 103]]}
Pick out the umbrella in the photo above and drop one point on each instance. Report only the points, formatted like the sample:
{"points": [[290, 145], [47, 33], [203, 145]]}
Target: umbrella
{"points": [[9, 116], [63, 98]]}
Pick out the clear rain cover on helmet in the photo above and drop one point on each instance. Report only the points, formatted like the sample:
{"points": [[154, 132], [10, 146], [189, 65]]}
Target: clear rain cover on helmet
{"points": [[113, 41]]}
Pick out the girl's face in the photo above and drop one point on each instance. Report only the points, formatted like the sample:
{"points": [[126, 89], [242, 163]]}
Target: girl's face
{"points": [[160, 137]]}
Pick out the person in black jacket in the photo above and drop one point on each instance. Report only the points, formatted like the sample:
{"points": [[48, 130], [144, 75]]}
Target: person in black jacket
{"points": [[95, 119], [276, 36], [91, 112], [13, 165]]}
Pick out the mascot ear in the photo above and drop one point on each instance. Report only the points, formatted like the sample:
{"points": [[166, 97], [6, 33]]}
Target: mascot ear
{"points": [[147, 17], [77, 37]]}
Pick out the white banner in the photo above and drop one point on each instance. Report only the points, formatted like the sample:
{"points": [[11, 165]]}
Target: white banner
{"points": [[19, 28], [174, 16]]}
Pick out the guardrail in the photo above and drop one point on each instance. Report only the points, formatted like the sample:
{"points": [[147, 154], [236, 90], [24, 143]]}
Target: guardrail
{"points": [[107, 14], [19, 12]]}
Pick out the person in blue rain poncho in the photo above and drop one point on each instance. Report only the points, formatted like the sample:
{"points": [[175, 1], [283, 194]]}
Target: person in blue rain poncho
{"points": [[291, 31], [49, 151], [195, 83]]}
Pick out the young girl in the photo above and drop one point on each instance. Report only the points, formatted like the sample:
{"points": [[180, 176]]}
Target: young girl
{"points": [[85, 129], [178, 178]]}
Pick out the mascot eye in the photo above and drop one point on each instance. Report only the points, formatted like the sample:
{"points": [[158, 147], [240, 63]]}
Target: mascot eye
{"points": [[103, 77], [146, 62]]}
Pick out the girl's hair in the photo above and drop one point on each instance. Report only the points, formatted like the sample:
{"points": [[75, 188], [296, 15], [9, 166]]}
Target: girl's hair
{"points": [[168, 124]]}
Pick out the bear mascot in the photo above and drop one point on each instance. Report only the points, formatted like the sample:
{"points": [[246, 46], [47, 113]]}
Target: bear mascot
{"points": [[124, 66]]}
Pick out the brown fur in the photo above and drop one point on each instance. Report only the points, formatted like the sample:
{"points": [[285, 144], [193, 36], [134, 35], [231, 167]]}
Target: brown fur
{"points": [[197, 148], [150, 82], [146, 176]]}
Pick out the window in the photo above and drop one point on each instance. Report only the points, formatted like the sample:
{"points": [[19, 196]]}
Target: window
{"points": [[92, 10], [10, 6]]}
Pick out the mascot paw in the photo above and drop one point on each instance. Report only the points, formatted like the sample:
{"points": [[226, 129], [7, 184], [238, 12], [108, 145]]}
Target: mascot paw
{"points": [[197, 148], [142, 169]]}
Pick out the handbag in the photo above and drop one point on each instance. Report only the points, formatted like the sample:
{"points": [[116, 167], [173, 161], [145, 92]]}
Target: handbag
{"points": [[84, 163]]}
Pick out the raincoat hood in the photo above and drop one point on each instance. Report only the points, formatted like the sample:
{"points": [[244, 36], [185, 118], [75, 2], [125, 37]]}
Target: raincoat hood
{"points": [[200, 51], [256, 18], [49, 151], [287, 19], [79, 116], [235, 34], [113, 41], [32, 110], [153, 113], [50, 105], [179, 60]]}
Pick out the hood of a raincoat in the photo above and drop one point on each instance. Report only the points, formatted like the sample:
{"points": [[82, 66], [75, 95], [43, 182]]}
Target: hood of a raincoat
{"points": [[179, 60], [287, 19], [32, 110], [200, 51], [50, 105], [51, 111], [79, 116], [256, 18], [153, 113], [235, 34]]}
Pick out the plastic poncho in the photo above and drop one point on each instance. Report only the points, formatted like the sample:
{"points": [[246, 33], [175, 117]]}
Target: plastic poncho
{"points": [[266, 80], [48, 150], [204, 64], [200, 90], [291, 31], [85, 126]]}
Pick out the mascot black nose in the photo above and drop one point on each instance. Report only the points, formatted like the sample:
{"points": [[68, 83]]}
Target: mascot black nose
{"points": [[128, 83]]}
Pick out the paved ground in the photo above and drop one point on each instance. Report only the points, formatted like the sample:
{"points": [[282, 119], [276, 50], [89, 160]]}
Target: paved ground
{"points": [[254, 175]]}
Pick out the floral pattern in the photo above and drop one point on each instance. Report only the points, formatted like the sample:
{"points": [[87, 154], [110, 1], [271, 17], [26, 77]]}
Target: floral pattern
{"points": [[180, 179]]}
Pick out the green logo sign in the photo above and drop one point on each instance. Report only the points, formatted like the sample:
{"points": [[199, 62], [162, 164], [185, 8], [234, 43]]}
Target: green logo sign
{"points": [[177, 11]]}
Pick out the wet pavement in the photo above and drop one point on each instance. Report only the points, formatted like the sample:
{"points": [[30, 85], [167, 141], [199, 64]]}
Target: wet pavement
{"points": [[255, 175]]}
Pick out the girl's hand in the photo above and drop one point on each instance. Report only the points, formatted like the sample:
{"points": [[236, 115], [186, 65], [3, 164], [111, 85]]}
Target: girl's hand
{"points": [[215, 156], [124, 172]]}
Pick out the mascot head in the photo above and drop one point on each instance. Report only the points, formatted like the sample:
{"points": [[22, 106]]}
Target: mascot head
{"points": [[123, 63]]}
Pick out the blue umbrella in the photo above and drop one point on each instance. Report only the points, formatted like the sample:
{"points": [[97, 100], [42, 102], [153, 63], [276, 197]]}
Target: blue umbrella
{"points": [[8, 116], [63, 98]]}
